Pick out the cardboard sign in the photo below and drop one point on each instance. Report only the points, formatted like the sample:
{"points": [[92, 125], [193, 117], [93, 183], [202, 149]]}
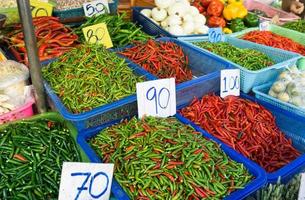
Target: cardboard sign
{"points": [[40, 8], [96, 8], [215, 35], [230, 82], [98, 34]]}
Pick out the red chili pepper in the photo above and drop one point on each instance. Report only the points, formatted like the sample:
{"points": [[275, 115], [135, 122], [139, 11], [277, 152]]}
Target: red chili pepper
{"points": [[20, 157], [169, 176]]}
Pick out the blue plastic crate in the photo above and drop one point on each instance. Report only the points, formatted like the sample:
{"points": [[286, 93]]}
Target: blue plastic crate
{"points": [[291, 124], [119, 193], [249, 79], [79, 12], [151, 28], [105, 114], [201, 63], [261, 92]]}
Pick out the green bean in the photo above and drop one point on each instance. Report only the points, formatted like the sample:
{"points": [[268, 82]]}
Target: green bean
{"points": [[249, 58], [29, 175], [90, 76], [122, 32], [148, 156]]}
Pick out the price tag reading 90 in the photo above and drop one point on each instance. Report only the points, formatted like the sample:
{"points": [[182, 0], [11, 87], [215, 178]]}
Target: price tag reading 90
{"points": [[215, 35], [96, 8], [156, 98]]}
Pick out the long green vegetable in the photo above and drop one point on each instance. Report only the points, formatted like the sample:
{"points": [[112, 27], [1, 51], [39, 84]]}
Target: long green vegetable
{"points": [[31, 158], [248, 58], [163, 159], [90, 76], [296, 25], [122, 32]]}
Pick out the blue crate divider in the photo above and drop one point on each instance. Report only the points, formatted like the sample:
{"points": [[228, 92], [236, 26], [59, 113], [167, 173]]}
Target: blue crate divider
{"points": [[291, 124], [151, 28], [105, 114], [119, 193], [261, 92], [202, 64], [249, 78]]}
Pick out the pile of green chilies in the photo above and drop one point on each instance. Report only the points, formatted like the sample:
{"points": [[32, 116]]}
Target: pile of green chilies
{"points": [[90, 76], [249, 58], [31, 158], [122, 32], [296, 25], [161, 158]]}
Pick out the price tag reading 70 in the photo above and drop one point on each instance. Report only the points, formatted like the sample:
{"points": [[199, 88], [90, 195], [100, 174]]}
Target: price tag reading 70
{"points": [[98, 34], [39, 9], [215, 35], [156, 98], [96, 8], [85, 181]]}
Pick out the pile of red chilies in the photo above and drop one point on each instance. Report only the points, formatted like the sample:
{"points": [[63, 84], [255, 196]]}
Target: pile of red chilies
{"points": [[162, 59], [53, 39], [270, 39], [245, 126]]}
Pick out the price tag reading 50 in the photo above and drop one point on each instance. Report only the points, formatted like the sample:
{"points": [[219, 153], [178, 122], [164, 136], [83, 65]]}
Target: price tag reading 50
{"points": [[215, 35], [98, 34], [96, 8], [230, 82], [85, 181], [157, 98]]}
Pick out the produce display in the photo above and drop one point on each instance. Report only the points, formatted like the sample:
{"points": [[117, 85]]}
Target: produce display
{"points": [[271, 39], [289, 87], [249, 58], [296, 25], [122, 32], [53, 39], [246, 127], [32, 153], [90, 76], [8, 4], [231, 15], [69, 4], [163, 59], [159, 158], [178, 18]]}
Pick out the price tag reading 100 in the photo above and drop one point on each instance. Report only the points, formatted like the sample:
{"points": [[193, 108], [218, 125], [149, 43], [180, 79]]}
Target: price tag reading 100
{"points": [[230, 82]]}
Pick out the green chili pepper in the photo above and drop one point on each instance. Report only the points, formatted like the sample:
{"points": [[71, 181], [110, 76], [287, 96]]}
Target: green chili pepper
{"points": [[296, 25]]}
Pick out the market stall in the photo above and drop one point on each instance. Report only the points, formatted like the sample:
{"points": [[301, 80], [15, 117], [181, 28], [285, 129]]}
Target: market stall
{"points": [[163, 99]]}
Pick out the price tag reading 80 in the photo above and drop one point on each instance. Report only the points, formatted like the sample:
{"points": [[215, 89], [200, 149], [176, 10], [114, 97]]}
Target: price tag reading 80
{"points": [[98, 34], [96, 8], [215, 35]]}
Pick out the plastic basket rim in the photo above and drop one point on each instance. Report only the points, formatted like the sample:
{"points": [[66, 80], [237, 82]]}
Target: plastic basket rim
{"points": [[138, 10], [294, 56], [19, 109], [258, 181]]}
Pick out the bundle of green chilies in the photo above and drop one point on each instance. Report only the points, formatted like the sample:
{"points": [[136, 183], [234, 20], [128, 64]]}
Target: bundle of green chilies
{"points": [[163, 59], [90, 76], [53, 39], [31, 158], [296, 25], [122, 32], [160, 158], [245, 126], [271, 39], [249, 58]]}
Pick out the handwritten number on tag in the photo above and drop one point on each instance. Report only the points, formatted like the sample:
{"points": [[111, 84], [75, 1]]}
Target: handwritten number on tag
{"points": [[233, 83], [93, 36], [157, 99]]}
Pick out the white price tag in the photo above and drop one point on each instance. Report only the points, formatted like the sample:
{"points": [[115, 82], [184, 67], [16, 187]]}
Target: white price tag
{"points": [[230, 82], [264, 26], [302, 188], [81, 181], [157, 98], [215, 35], [96, 8]]}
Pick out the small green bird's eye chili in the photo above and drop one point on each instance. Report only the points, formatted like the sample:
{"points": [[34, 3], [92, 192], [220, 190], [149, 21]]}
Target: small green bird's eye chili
{"points": [[159, 158], [31, 156], [90, 76]]}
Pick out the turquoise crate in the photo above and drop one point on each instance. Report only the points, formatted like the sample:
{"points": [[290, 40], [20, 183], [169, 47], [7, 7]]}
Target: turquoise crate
{"points": [[261, 92], [249, 79]]}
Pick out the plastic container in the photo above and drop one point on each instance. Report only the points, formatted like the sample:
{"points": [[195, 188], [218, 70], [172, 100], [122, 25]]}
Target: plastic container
{"points": [[119, 193], [101, 115], [249, 79], [261, 92], [291, 124], [202, 64], [22, 112], [151, 28], [13, 79], [79, 12], [270, 11]]}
